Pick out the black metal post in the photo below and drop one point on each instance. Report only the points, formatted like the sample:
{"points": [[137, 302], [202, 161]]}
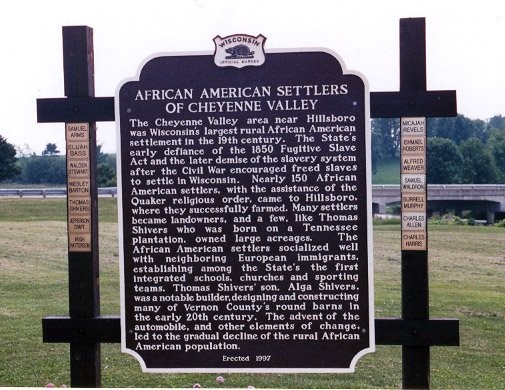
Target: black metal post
{"points": [[84, 295], [413, 100], [415, 293]]}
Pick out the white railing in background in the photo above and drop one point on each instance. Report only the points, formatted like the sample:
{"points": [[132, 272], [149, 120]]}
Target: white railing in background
{"points": [[48, 192]]}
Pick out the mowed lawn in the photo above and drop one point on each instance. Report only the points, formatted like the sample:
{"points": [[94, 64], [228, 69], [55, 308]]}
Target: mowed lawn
{"points": [[467, 273]]}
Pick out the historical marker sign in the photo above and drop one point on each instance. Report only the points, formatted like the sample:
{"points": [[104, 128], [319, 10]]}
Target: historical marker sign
{"points": [[245, 212]]}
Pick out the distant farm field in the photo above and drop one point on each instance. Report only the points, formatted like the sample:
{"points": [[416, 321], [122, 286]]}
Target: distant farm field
{"points": [[467, 273]]}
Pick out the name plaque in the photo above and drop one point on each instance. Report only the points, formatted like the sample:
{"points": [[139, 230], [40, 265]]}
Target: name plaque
{"points": [[245, 214], [413, 183], [78, 187]]}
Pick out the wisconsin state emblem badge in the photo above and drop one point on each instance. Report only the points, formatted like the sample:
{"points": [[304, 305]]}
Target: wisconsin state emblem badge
{"points": [[239, 50]]}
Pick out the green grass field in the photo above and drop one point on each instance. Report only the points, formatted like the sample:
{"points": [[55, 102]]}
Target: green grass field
{"points": [[467, 273]]}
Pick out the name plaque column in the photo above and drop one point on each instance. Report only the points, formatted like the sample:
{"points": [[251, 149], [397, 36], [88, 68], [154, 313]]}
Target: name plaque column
{"points": [[78, 187], [413, 183]]}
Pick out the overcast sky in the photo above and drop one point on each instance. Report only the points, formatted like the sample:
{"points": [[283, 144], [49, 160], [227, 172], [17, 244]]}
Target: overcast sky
{"points": [[465, 46]]}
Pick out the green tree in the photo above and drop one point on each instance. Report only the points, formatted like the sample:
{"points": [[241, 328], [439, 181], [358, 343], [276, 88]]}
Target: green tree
{"points": [[106, 168], [444, 161], [385, 140], [496, 122], [43, 170], [24, 151], [478, 165], [106, 175], [8, 167], [386, 137], [496, 146], [50, 150], [457, 129]]}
